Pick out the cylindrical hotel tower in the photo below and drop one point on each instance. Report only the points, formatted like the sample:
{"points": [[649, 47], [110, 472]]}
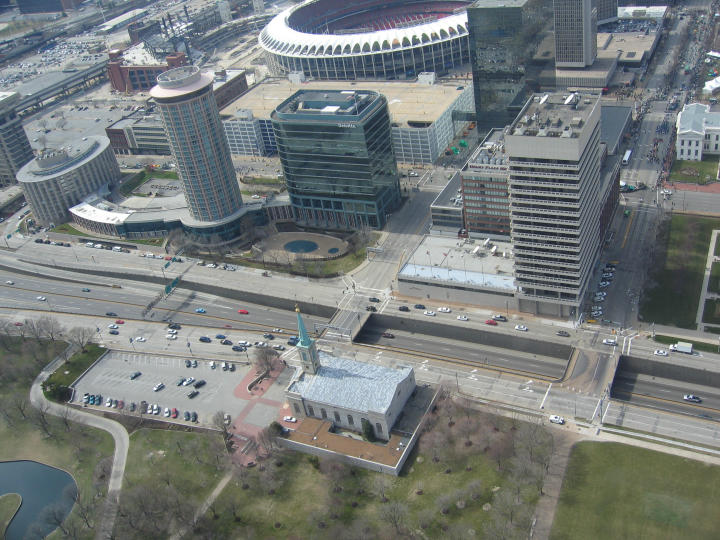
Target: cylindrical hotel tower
{"points": [[197, 140]]}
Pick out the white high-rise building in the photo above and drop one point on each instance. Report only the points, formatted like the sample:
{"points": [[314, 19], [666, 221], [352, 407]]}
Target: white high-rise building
{"points": [[553, 153], [575, 33]]}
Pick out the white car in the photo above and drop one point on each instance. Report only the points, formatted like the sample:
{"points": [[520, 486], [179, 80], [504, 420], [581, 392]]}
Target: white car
{"points": [[601, 293], [140, 339], [609, 341], [10, 282], [158, 387], [290, 419], [604, 284], [555, 419], [171, 336], [462, 318], [189, 381], [521, 327], [113, 326], [171, 331], [444, 310], [660, 352], [41, 298], [597, 308], [429, 313], [596, 314], [166, 412]]}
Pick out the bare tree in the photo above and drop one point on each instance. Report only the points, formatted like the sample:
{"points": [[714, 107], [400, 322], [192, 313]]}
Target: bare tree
{"points": [[20, 404], [264, 357], [80, 336], [335, 471], [33, 329], [50, 326], [218, 421], [396, 514], [444, 502], [54, 515], [5, 411], [41, 419], [381, 484]]}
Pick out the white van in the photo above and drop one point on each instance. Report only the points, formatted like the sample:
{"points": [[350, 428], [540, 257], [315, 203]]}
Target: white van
{"points": [[89, 244], [117, 249], [98, 246]]}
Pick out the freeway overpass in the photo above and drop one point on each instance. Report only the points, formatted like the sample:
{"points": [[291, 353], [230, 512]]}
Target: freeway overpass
{"points": [[85, 78]]}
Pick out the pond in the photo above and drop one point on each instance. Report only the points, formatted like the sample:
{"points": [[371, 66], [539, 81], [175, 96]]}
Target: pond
{"points": [[43, 489], [301, 246]]}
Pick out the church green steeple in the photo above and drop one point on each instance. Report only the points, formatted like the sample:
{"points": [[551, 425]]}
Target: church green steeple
{"points": [[306, 347]]}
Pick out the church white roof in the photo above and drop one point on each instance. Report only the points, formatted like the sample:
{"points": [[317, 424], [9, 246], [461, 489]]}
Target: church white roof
{"points": [[696, 117], [349, 384]]}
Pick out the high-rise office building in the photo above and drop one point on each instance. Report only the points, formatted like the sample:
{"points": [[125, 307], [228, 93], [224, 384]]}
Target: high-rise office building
{"points": [[189, 111], [335, 147], [575, 33], [553, 152], [503, 38], [607, 11], [486, 206], [15, 150]]}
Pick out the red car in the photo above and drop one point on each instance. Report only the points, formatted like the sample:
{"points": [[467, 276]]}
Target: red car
{"points": [[243, 311], [491, 322], [18, 324], [174, 412], [119, 321]]}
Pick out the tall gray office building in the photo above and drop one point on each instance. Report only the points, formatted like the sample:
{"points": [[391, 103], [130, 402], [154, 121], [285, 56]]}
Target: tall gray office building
{"points": [[575, 33], [15, 150], [607, 11], [503, 35], [335, 147], [198, 143], [553, 154]]}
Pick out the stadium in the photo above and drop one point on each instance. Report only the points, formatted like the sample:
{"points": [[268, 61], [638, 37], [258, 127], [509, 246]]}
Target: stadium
{"points": [[369, 39]]}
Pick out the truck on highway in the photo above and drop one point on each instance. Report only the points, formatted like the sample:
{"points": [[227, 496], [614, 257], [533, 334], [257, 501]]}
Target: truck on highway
{"points": [[682, 346]]}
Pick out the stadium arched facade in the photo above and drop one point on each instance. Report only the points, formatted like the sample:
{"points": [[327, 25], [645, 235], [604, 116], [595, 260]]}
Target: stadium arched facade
{"points": [[371, 39]]}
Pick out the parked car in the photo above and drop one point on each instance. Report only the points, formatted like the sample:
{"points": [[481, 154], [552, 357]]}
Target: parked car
{"points": [[521, 327], [158, 387], [555, 419], [194, 416], [200, 383], [290, 419], [562, 333], [193, 393], [404, 308], [135, 375], [373, 299], [113, 332]]}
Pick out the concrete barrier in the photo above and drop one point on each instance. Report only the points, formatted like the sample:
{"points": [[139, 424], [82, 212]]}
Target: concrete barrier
{"points": [[519, 342], [630, 366]]}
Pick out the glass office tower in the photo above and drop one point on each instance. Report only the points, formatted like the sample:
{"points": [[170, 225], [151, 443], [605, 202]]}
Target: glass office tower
{"points": [[336, 152], [198, 142]]}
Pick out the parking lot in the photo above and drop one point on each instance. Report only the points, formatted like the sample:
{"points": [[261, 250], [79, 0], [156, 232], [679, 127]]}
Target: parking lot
{"points": [[110, 377]]}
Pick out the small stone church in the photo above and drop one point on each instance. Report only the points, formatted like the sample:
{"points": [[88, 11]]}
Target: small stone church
{"points": [[345, 391]]}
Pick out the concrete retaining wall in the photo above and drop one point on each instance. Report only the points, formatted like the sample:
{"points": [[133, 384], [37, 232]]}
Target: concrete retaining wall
{"points": [[517, 342], [630, 366]]}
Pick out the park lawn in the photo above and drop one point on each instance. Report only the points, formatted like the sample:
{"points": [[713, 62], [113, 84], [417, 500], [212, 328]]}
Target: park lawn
{"points": [[76, 365], [144, 176], [711, 311], [76, 449], [676, 282], [160, 456], [714, 282], [304, 500], [615, 491], [66, 228], [701, 172], [9, 505]]}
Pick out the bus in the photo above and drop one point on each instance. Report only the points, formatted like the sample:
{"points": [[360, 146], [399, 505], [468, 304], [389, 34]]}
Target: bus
{"points": [[626, 157]]}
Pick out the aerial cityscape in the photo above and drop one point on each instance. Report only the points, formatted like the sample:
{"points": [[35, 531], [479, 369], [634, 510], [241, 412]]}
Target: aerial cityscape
{"points": [[402, 269]]}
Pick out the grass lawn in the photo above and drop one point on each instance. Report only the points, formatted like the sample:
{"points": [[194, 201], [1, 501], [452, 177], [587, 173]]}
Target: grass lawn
{"points": [[144, 176], [9, 504], [185, 459], [302, 501], [711, 312], [77, 449], [673, 295], [694, 172], [714, 282], [76, 365], [66, 228], [617, 491]]}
